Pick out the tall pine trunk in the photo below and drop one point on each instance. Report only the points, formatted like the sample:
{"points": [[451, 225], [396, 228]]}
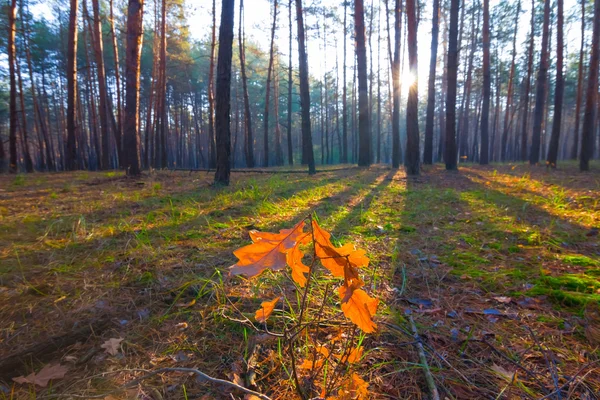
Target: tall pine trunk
{"points": [[559, 90], [452, 66], [135, 32], [484, 149], [12, 136], [307, 146], [289, 99], [364, 147], [119, 128], [71, 148], [249, 137], [428, 150], [268, 88], [412, 158], [509, 94], [211, 90], [575, 148], [344, 155], [540, 95], [587, 137], [223, 95]]}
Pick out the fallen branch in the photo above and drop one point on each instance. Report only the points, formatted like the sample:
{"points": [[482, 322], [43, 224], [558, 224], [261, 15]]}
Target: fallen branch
{"points": [[428, 376], [201, 375], [568, 382]]}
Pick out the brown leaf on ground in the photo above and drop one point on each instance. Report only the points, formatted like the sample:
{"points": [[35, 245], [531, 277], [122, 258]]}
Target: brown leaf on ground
{"points": [[267, 252], [112, 346], [44, 376], [265, 310]]}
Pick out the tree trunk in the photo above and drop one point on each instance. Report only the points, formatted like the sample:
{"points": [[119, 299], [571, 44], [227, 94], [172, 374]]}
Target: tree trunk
{"points": [[525, 99], [211, 91], [223, 95], [428, 150], [575, 148], [278, 149], [396, 148], [364, 148], [268, 88], [442, 114], [509, 94], [135, 32], [559, 90], [450, 156], [307, 147], [103, 104], [290, 83], [12, 136], [164, 118], [413, 155], [344, 155], [485, 112], [71, 152], [249, 143], [587, 137], [540, 96], [119, 130]]}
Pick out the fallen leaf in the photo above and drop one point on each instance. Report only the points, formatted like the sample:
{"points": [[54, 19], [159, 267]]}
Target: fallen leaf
{"points": [[503, 299], [355, 355], [186, 305], [267, 252], [44, 376], [112, 346], [265, 310], [353, 388], [359, 308]]}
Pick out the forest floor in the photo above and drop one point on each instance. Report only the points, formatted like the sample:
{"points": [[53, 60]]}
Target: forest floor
{"points": [[499, 267]]}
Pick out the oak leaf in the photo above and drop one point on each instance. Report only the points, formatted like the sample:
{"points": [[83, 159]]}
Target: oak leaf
{"points": [[335, 259], [265, 310], [112, 346], [44, 376], [359, 308], [353, 388], [354, 356], [267, 252], [294, 260]]}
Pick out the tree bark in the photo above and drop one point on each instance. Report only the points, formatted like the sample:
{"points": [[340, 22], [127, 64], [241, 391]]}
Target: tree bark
{"points": [[484, 149], [559, 90], [428, 150], [249, 143], [119, 130], [211, 91], [290, 83], [223, 95], [587, 137], [268, 88], [525, 99], [344, 155], [307, 147], [412, 158], [71, 151], [364, 148], [12, 136], [452, 66], [135, 33], [540, 96], [575, 147], [509, 94]]}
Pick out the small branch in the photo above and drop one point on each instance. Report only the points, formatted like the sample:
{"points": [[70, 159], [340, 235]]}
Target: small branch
{"points": [[428, 376], [567, 383], [200, 374]]}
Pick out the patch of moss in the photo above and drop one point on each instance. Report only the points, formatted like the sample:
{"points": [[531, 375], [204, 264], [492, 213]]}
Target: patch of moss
{"points": [[580, 260]]}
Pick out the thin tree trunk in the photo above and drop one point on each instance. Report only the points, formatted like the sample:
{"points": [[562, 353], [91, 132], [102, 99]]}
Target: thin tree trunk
{"points": [[559, 90], [509, 94], [364, 149], [119, 130], [587, 137], [24, 127], [484, 156], [211, 90], [540, 97], [452, 65], [135, 33], [223, 98], [290, 83], [164, 118], [278, 149], [12, 136], [344, 155], [307, 147], [575, 147], [268, 88], [428, 150], [249, 144], [525, 101], [71, 152]]}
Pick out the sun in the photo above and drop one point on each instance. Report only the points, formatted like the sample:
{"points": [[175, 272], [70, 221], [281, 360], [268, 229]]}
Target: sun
{"points": [[407, 79]]}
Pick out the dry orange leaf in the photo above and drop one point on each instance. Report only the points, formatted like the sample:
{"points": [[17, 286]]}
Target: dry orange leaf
{"points": [[359, 308], [354, 356], [335, 259], [294, 260], [267, 252], [265, 310], [353, 388]]}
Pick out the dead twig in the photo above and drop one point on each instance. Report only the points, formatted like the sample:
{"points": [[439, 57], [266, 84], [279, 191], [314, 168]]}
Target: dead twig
{"points": [[571, 380], [428, 376]]}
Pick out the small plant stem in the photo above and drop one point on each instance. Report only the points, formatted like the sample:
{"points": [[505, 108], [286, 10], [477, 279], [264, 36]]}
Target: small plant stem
{"points": [[428, 376]]}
